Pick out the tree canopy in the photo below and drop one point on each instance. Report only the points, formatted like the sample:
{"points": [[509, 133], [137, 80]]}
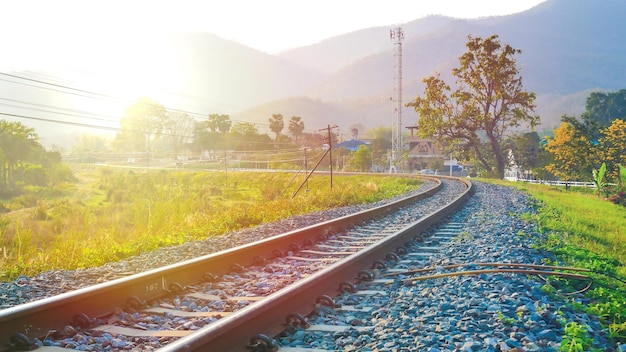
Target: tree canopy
{"points": [[140, 121], [605, 107], [488, 100], [23, 160], [296, 127], [276, 124]]}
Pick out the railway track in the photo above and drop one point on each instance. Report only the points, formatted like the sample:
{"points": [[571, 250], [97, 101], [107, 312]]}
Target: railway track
{"points": [[236, 299]]}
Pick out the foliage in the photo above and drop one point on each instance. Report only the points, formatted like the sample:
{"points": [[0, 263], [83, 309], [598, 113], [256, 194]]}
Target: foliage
{"points": [[219, 123], [612, 145], [576, 156], [24, 162], [245, 135], [360, 160], [177, 130], [576, 338], [296, 127], [488, 101], [598, 178], [571, 152], [603, 108], [276, 124], [140, 121], [111, 214], [619, 199], [525, 148], [580, 144]]}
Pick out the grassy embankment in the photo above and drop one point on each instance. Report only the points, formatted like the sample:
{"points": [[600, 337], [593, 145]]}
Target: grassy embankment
{"points": [[588, 232], [111, 215]]}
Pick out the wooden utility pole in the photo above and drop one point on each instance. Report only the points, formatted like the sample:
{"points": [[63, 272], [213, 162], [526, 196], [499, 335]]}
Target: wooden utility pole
{"points": [[330, 150]]}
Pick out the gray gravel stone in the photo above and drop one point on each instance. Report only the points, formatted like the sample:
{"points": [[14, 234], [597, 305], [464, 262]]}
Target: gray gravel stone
{"points": [[486, 312]]}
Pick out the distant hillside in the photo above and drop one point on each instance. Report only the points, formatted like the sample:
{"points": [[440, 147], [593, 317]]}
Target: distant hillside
{"points": [[569, 48], [332, 54], [224, 71]]}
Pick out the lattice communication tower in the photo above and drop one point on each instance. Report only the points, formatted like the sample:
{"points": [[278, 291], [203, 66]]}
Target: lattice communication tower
{"points": [[397, 36]]}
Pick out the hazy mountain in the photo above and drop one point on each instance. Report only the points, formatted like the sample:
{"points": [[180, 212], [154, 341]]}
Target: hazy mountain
{"points": [[569, 48], [332, 54]]}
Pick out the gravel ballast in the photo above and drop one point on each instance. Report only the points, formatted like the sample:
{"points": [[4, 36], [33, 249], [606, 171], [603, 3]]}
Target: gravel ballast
{"points": [[483, 312]]}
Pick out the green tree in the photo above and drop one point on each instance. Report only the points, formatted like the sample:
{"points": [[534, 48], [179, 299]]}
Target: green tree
{"points": [[525, 147], [361, 159], [219, 123], [613, 147], [177, 129], [140, 122], [600, 110], [89, 143], [245, 135], [296, 127], [605, 107], [18, 144], [489, 99], [213, 133], [276, 124], [574, 156]]}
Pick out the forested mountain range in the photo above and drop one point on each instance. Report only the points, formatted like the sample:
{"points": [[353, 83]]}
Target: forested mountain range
{"points": [[569, 48]]}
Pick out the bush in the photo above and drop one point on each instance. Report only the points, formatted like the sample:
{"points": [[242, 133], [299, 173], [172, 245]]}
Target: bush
{"points": [[34, 175], [619, 199]]}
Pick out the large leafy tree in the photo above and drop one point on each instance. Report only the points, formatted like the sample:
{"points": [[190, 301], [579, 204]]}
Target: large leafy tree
{"points": [[525, 147], [245, 135], [613, 144], [276, 124], [574, 155], [296, 127], [219, 123], [140, 122], [211, 134], [600, 110], [380, 144], [605, 107], [361, 159], [18, 144], [488, 100], [177, 129]]}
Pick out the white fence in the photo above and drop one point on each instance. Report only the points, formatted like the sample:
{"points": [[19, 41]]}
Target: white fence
{"points": [[558, 183]]}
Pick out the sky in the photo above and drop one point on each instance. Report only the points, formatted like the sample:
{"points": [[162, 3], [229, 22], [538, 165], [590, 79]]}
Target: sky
{"points": [[67, 35], [267, 25]]}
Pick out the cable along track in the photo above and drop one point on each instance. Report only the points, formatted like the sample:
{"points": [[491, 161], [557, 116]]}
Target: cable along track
{"points": [[220, 301]]}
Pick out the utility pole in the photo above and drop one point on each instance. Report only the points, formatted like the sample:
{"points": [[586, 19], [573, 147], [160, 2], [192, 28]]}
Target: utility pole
{"points": [[397, 36], [330, 150], [225, 160], [306, 168]]}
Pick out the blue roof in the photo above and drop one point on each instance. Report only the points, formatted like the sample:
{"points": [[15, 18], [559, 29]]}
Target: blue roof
{"points": [[351, 145]]}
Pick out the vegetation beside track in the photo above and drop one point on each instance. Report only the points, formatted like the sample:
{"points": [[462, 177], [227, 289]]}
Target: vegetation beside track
{"points": [[583, 230], [112, 214]]}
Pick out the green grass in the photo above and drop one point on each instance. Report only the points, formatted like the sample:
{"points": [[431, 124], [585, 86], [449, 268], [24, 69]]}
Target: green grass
{"points": [[583, 230], [111, 215]]}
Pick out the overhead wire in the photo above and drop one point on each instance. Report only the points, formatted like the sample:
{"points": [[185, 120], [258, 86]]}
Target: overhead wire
{"points": [[95, 95], [66, 89]]}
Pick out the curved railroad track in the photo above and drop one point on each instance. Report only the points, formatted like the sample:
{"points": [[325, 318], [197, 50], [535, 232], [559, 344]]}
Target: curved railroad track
{"points": [[236, 299]]}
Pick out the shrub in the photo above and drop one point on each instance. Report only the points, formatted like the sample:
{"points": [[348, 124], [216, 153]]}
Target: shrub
{"points": [[619, 199]]}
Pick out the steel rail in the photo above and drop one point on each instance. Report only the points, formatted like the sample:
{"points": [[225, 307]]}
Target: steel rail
{"points": [[38, 318], [268, 317]]}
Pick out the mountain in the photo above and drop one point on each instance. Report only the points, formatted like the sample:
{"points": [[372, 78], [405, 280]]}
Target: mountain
{"points": [[569, 48], [200, 73]]}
